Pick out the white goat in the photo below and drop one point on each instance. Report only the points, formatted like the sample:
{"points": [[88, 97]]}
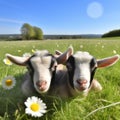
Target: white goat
{"points": [[78, 78], [41, 70], [41, 66]]}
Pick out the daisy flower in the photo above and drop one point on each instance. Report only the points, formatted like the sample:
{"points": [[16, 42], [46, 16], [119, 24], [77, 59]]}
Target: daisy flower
{"points": [[7, 61], [8, 82], [35, 107]]}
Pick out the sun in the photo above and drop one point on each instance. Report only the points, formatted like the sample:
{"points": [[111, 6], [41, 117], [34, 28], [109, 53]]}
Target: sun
{"points": [[95, 10]]}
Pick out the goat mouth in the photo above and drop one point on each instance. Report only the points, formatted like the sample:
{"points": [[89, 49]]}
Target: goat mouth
{"points": [[43, 88], [82, 88]]}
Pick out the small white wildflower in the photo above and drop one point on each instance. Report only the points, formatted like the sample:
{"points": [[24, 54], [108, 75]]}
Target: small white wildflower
{"points": [[7, 61], [8, 82], [35, 107]]}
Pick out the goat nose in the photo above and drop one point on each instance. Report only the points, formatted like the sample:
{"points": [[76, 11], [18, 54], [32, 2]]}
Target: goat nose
{"points": [[41, 83], [81, 82]]}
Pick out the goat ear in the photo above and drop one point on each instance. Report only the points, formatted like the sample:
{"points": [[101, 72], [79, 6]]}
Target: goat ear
{"points": [[62, 58], [57, 52], [107, 61], [17, 60]]}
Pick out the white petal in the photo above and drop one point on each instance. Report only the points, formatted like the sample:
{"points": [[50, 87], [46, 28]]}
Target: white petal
{"points": [[43, 111]]}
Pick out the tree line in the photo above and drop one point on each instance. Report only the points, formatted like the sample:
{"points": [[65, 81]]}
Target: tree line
{"points": [[29, 32], [113, 33]]}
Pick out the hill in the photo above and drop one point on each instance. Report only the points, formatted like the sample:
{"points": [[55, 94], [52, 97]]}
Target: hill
{"points": [[18, 36]]}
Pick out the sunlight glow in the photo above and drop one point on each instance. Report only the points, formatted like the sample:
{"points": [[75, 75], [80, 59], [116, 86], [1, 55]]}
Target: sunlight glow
{"points": [[95, 10]]}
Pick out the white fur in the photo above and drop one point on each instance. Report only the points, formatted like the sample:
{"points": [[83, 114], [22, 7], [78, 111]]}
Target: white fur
{"points": [[82, 69], [41, 71]]}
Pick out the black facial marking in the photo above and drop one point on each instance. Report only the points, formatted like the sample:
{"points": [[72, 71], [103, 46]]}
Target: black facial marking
{"points": [[53, 60], [92, 63], [92, 69], [30, 67], [71, 68], [52, 68]]}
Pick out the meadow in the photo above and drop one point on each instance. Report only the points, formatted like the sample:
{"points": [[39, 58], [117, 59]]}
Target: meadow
{"points": [[103, 105]]}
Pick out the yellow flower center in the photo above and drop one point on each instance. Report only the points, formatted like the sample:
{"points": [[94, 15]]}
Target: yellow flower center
{"points": [[35, 107], [8, 62], [9, 82]]}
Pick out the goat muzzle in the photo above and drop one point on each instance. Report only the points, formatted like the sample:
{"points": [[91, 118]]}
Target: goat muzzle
{"points": [[41, 85], [82, 84]]}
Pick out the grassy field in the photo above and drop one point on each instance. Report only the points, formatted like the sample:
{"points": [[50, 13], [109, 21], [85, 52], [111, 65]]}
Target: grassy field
{"points": [[104, 105]]}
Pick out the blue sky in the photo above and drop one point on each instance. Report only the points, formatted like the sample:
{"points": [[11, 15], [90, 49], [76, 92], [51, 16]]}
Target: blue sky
{"points": [[60, 16]]}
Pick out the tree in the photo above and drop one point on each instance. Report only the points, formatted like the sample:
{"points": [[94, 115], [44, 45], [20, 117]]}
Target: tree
{"points": [[113, 33], [27, 31], [38, 33]]}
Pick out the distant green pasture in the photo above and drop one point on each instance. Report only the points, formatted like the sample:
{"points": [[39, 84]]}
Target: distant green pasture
{"points": [[12, 101]]}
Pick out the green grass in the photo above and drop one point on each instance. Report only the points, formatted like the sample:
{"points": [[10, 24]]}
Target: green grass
{"points": [[12, 101]]}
